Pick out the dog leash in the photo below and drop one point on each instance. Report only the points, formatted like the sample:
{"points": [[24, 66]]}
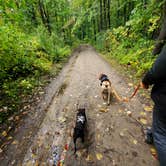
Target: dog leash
{"points": [[134, 93]]}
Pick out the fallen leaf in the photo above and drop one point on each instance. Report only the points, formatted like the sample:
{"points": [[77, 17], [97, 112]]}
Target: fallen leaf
{"points": [[89, 158], [9, 138], [135, 142], [98, 136], [143, 121], [11, 118], [143, 114], [37, 163], [4, 133], [148, 108], [120, 111], [13, 162], [153, 151], [41, 92], [78, 153], [130, 84], [62, 119], [33, 155], [15, 142], [24, 113], [99, 156], [9, 128], [17, 118], [103, 110]]}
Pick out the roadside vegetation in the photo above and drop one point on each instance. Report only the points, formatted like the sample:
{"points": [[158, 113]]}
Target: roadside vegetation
{"points": [[31, 43]]}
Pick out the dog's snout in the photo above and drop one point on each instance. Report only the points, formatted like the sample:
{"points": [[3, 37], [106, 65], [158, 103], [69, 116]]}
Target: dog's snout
{"points": [[106, 86]]}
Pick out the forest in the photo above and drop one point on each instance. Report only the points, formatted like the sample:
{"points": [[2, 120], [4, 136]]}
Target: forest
{"points": [[38, 35]]}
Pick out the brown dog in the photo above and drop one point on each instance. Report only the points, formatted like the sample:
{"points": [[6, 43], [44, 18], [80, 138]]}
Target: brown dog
{"points": [[107, 90]]}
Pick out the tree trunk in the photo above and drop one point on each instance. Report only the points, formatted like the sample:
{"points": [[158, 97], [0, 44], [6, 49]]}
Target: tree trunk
{"points": [[94, 29], [162, 35], [45, 16], [124, 14], [101, 16], [105, 14], [108, 14], [118, 14], [17, 4], [34, 16]]}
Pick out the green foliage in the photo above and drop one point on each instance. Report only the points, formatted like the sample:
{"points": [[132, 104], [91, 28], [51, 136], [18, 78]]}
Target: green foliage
{"points": [[130, 50], [131, 43], [27, 49]]}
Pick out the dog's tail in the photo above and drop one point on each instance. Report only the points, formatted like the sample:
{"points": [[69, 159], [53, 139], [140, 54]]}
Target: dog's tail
{"points": [[75, 148]]}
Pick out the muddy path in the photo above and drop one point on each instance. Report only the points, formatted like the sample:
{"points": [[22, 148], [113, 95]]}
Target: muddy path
{"points": [[113, 138]]}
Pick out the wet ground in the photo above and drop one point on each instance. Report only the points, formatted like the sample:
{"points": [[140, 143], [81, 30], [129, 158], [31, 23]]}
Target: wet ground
{"points": [[112, 137]]}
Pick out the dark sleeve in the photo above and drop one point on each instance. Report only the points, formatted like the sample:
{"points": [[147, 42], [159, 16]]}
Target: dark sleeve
{"points": [[158, 71]]}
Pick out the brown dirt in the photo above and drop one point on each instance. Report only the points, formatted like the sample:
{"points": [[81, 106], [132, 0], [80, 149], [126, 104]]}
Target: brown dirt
{"points": [[113, 138]]}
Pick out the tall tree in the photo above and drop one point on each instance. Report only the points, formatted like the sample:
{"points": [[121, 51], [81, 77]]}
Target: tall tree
{"points": [[162, 35]]}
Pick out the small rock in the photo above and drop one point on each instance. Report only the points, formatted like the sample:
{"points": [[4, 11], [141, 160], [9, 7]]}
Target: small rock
{"points": [[129, 113], [1, 150], [121, 134]]}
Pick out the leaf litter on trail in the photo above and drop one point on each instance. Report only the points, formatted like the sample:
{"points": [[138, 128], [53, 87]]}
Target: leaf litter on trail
{"points": [[99, 156], [120, 111], [143, 114], [130, 84], [148, 108], [15, 142], [103, 110], [4, 133], [135, 141], [9, 138], [89, 158], [154, 152], [61, 119], [143, 121]]}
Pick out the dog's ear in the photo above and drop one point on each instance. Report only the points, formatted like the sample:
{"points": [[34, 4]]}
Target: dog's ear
{"points": [[100, 76]]}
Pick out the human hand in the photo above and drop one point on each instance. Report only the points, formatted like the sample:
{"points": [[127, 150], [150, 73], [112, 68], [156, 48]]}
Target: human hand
{"points": [[144, 86]]}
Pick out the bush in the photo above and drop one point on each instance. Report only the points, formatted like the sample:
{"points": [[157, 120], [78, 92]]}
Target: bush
{"points": [[23, 59]]}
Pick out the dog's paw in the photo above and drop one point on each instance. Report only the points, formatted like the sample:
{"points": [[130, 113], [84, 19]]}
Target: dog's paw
{"points": [[125, 99]]}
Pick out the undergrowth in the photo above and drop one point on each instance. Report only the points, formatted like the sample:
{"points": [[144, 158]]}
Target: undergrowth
{"points": [[24, 58]]}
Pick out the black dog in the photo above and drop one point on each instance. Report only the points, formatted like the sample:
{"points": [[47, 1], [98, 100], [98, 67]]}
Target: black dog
{"points": [[79, 129]]}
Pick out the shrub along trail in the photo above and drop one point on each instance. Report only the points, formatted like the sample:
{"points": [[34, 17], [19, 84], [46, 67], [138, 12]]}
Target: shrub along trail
{"points": [[113, 138]]}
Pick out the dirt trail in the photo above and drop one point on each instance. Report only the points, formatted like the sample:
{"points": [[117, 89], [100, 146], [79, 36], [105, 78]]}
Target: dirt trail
{"points": [[113, 138]]}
